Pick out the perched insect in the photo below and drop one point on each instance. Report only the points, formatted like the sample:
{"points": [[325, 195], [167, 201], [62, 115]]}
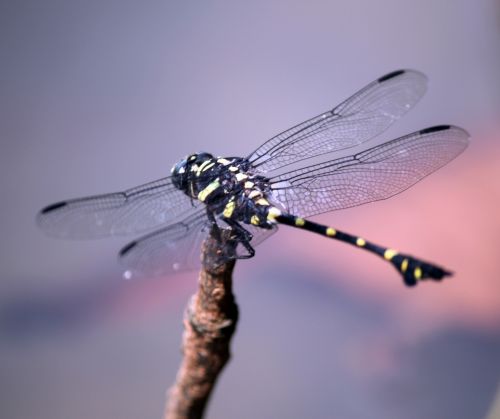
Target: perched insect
{"points": [[298, 173]]}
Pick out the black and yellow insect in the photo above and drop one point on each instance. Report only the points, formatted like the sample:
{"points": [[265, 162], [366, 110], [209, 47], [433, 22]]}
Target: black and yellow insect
{"points": [[299, 173]]}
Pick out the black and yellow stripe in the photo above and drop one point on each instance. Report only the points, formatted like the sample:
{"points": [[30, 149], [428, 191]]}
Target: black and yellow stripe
{"points": [[412, 269]]}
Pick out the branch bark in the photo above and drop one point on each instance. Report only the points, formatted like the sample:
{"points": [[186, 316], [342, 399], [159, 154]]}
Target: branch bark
{"points": [[209, 323]]}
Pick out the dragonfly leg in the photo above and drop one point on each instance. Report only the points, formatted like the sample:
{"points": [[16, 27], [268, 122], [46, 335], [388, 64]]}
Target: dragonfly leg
{"points": [[243, 236], [215, 229]]}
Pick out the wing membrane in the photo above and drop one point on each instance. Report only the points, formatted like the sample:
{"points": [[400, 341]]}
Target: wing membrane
{"points": [[172, 249], [136, 210], [176, 248], [374, 174], [358, 119]]}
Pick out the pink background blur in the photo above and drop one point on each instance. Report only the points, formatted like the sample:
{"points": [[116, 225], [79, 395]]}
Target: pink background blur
{"points": [[99, 96]]}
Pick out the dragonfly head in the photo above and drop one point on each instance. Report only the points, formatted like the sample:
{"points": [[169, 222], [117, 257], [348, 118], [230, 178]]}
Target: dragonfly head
{"points": [[183, 170]]}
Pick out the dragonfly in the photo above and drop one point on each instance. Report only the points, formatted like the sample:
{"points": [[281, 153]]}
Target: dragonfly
{"points": [[320, 165]]}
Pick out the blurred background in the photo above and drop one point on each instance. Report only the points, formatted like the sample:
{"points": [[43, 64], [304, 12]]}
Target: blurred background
{"points": [[99, 96]]}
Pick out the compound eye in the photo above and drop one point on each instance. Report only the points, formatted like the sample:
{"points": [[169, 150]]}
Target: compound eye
{"points": [[202, 157], [179, 168], [179, 174]]}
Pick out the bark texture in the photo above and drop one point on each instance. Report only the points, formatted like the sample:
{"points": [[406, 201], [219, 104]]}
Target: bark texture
{"points": [[209, 323]]}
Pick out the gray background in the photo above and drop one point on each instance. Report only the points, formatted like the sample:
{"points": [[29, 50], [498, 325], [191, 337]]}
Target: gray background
{"points": [[97, 96]]}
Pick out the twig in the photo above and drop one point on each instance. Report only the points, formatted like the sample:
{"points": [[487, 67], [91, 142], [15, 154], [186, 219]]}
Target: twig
{"points": [[209, 321]]}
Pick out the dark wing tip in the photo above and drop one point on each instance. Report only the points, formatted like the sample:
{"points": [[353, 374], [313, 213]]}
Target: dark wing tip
{"points": [[127, 248], [435, 129], [53, 207], [391, 75], [459, 134]]}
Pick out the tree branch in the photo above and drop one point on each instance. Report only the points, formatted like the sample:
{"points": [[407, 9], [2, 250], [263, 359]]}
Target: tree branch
{"points": [[209, 323]]}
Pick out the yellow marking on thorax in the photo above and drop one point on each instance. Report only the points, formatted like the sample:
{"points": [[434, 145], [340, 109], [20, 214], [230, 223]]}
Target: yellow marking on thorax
{"points": [[272, 213], [204, 164], [404, 265], [229, 208], [241, 176], [207, 164], [299, 222], [212, 186], [255, 220], [254, 194], [360, 242], [262, 201], [417, 273], [233, 169], [249, 185], [389, 254], [223, 161], [330, 232]]}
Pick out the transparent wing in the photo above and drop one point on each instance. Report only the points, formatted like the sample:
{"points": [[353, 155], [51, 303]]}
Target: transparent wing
{"points": [[358, 119], [172, 249], [177, 248], [136, 210], [259, 235], [377, 173]]}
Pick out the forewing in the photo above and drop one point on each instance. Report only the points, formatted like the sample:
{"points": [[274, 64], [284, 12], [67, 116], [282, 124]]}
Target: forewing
{"points": [[358, 119], [374, 174], [136, 210]]}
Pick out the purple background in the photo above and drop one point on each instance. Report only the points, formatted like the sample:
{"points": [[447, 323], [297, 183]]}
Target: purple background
{"points": [[98, 96]]}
